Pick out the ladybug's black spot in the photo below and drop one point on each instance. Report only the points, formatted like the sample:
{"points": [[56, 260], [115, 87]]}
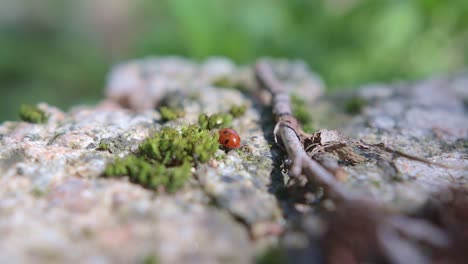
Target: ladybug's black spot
{"points": [[225, 132], [226, 141]]}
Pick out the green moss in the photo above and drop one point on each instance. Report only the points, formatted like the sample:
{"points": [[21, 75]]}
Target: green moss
{"points": [[166, 158], [32, 114], [376, 183], [169, 114], [217, 120], [104, 146], [150, 259], [149, 173], [273, 255], [231, 83], [302, 113], [194, 96], [38, 192], [238, 110], [172, 147], [355, 105], [223, 81]]}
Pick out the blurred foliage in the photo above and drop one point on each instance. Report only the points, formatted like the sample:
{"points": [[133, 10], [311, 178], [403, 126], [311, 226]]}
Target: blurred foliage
{"points": [[59, 51]]}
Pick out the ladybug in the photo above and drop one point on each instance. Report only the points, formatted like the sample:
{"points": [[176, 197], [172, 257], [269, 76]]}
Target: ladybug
{"points": [[229, 138]]}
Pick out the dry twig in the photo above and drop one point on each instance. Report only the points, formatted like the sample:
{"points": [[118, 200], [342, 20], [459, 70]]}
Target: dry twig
{"points": [[287, 131], [388, 149], [359, 227]]}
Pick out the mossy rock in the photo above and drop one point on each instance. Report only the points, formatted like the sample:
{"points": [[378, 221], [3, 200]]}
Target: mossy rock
{"points": [[355, 105], [169, 114], [217, 120], [32, 114], [149, 174], [166, 158], [238, 110], [173, 147]]}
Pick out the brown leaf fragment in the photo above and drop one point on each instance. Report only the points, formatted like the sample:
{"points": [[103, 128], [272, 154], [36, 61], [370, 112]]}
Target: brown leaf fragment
{"points": [[348, 155]]}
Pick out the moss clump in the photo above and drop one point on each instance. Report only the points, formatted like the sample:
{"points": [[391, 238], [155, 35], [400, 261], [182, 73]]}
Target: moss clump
{"points": [[149, 173], [166, 158], [273, 255], [104, 146], [302, 113], [32, 114], [223, 81], [238, 110], [172, 147], [231, 83], [38, 192], [214, 121], [355, 105], [169, 114], [150, 259]]}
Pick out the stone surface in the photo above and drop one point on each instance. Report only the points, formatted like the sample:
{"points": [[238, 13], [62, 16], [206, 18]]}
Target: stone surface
{"points": [[54, 207], [426, 119]]}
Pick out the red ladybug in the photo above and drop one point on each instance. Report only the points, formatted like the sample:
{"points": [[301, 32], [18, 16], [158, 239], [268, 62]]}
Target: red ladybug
{"points": [[229, 138]]}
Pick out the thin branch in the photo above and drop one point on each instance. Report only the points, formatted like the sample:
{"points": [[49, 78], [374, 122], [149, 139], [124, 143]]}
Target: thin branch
{"points": [[371, 216], [412, 157], [287, 131]]}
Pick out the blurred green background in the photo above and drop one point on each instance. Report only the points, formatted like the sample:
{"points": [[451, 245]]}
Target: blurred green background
{"points": [[59, 51]]}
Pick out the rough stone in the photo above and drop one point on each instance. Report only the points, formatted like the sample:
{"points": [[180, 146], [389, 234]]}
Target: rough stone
{"points": [[426, 119], [55, 207], [423, 119]]}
